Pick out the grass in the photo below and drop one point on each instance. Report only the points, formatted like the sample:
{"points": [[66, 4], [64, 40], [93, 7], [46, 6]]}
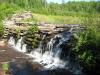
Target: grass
{"points": [[56, 19], [59, 19], [87, 47]]}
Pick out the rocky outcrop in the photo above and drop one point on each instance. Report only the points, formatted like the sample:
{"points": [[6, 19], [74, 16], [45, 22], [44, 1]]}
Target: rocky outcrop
{"points": [[56, 28], [14, 27], [16, 18], [15, 23]]}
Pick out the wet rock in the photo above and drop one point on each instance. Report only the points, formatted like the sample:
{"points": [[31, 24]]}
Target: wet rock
{"points": [[14, 22], [36, 66], [23, 15], [2, 43]]}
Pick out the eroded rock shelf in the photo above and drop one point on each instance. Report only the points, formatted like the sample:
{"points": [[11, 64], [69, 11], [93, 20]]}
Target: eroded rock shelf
{"points": [[15, 23]]}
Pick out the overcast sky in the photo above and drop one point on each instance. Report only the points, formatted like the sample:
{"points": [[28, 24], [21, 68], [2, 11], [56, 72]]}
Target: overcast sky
{"points": [[60, 1]]}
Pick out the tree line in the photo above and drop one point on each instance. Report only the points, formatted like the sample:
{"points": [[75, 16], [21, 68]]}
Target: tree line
{"points": [[41, 6]]}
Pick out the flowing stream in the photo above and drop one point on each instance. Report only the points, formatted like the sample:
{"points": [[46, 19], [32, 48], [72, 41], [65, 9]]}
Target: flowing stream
{"points": [[50, 58]]}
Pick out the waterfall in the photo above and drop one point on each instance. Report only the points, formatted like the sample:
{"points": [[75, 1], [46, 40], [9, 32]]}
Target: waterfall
{"points": [[11, 42], [18, 46], [39, 49], [50, 59], [24, 48]]}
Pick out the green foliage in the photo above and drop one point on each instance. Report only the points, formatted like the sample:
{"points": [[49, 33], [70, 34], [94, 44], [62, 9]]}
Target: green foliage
{"points": [[31, 39], [5, 66], [70, 8], [1, 29], [87, 48], [5, 11], [18, 31], [85, 13], [33, 29]]}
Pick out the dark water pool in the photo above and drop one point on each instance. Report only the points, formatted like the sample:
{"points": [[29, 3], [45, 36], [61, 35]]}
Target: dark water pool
{"points": [[27, 69]]}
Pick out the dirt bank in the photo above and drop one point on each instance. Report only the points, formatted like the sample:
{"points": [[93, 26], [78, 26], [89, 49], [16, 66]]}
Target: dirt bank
{"points": [[8, 54]]}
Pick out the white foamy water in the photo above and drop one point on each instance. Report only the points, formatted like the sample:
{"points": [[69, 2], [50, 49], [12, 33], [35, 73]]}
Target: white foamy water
{"points": [[11, 42], [24, 48], [18, 46], [50, 58]]}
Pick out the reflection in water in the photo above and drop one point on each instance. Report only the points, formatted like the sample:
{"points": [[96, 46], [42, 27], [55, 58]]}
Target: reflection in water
{"points": [[19, 69]]}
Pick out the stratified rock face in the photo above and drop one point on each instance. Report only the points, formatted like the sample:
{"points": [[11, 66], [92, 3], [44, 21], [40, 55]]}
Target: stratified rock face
{"points": [[14, 27], [56, 28], [14, 20], [23, 15], [12, 24]]}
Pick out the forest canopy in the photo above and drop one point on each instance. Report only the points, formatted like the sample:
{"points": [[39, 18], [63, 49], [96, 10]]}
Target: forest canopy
{"points": [[41, 6]]}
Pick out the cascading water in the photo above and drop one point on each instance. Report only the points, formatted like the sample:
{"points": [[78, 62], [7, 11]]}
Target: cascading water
{"points": [[24, 48], [18, 46], [11, 42], [50, 59], [39, 49]]}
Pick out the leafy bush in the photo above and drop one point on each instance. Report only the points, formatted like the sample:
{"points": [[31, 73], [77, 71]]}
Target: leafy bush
{"points": [[31, 39], [1, 29], [33, 29], [87, 49]]}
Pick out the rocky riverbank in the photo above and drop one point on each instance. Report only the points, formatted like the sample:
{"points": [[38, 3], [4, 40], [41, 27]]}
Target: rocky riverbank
{"points": [[20, 64], [48, 46], [14, 27], [15, 22], [15, 59], [8, 54]]}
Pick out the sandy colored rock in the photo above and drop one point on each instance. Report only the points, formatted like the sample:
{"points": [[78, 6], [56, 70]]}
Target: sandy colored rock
{"points": [[2, 43]]}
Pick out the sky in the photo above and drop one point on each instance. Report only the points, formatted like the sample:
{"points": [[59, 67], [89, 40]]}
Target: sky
{"points": [[60, 1]]}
